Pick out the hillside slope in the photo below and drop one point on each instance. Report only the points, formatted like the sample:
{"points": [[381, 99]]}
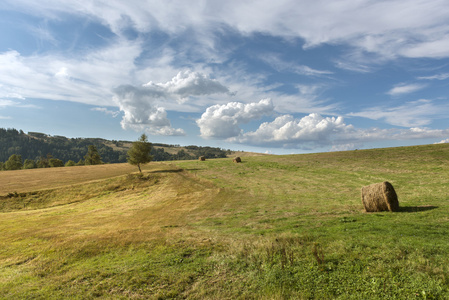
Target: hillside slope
{"points": [[273, 227], [35, 145]]}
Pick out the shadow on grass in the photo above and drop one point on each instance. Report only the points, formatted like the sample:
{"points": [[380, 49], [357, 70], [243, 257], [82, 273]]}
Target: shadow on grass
{"points": [[167, 171], [174, 171], [410, 209]]}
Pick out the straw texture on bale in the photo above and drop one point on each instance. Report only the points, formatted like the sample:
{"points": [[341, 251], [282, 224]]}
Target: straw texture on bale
{"points": [[202, 158], [380, 197], [237, 160]]}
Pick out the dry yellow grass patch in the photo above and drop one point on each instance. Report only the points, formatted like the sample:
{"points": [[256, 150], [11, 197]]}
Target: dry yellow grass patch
{"points": [[22, 181], [162, 203]]}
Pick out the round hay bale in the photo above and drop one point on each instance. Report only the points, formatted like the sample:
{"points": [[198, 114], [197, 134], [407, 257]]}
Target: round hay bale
{"points": [[202, 158], [237, 160], [380, 197]]}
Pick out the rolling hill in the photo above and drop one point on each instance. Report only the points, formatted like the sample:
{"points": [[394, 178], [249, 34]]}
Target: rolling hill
{"points": [[272, 227], [34, 145]]}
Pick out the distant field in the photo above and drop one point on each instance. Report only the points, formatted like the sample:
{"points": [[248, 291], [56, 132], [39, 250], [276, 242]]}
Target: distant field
{"points": [[39, 179], [272, 227]]}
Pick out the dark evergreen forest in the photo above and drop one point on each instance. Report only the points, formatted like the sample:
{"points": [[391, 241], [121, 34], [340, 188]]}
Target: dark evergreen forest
{"points": [[35, 145]]}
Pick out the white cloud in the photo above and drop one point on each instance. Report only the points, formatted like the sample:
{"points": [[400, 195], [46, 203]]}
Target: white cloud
{"points": [[308, 98], [223, 121], [360, 67], [6, 102], [434, 48], [412, 28], [372, 32], [280, 65], [140, 104], [141, 114], [106, 111], [312, 131], [62, 73], [446, 141], [344, 147], [411, 114], [442, 76], [87, 78], [405, 89], [317, 132], [186, 84]]}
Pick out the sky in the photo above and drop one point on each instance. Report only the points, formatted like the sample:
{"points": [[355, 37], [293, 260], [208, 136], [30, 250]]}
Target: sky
{"points": [[277, 77]]}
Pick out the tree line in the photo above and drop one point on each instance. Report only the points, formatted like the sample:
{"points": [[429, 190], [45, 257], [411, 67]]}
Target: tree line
{"points": [[15, 161], [38, 150]]}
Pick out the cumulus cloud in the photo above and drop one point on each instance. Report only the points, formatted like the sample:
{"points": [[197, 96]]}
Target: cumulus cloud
{"points": [[312, 131], [446, 141], [186, 84], [316, 132], [223, 121], [141, 110], [140, 114]]}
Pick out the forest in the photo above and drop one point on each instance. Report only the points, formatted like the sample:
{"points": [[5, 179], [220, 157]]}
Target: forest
{"points": [[38, 147]]}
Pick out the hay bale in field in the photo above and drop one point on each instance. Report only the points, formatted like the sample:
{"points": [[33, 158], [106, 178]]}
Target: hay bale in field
{"points": [[237, 160], [202, 158], [380, 197]]}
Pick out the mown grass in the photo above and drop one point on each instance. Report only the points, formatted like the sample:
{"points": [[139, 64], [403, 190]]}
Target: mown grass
{"points": [[273, 227]]}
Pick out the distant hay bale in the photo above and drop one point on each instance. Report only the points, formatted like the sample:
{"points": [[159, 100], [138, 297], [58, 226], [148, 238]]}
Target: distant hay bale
{"points": [[237, 160], [202, 158], [380, 197]]}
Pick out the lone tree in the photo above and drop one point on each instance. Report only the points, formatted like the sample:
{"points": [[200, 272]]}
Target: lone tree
{"points": [[92, 157], [139, 153], [14, 162]]}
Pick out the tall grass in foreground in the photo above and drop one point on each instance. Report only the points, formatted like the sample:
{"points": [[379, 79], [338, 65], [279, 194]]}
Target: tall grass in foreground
{"points": [[273, 227]]}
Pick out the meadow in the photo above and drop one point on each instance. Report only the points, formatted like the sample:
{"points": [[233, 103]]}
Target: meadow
{"points": [[271, 227]]}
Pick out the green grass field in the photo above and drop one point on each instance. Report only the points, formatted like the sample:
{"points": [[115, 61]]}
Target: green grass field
{"points": [[272, 227]]}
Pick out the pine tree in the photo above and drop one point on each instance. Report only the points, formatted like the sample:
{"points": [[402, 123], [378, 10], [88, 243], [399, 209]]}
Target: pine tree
{"points": [[139, 153]]}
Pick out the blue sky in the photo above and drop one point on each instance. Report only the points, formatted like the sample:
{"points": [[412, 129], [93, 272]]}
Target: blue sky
{"points": [[267, 76]]}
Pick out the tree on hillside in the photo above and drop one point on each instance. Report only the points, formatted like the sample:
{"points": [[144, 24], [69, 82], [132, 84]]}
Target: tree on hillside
{"points": [[139, 153], [55, 163], [29, 164], [44, 162], [70, 163], [92, 157], [14, 162]]}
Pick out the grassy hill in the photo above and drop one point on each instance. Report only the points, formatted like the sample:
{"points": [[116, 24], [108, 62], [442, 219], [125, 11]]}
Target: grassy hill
{"points": [[272, 227], [36, 145]]}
